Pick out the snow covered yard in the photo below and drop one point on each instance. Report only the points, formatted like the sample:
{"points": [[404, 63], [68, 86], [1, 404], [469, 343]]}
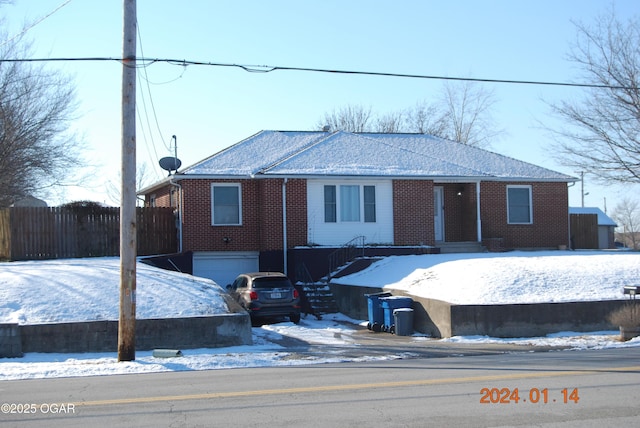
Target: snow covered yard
{"points": [[506, 278], [88, 289]]}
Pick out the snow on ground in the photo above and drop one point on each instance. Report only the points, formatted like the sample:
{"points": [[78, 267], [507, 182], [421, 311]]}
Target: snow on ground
{"points": [[68, 290], [503, 278], [266, 352], [88, 289]]}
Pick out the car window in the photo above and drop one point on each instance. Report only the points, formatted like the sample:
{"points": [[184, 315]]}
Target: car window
{"points": [[240, 282], [271, 282]]}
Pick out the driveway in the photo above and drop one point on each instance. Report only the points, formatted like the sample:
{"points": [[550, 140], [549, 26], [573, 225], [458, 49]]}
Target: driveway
{"points": [[349, 341]]}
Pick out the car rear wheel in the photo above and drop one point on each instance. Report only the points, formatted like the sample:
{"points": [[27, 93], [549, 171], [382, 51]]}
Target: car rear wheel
{"points": [[295, 318]]}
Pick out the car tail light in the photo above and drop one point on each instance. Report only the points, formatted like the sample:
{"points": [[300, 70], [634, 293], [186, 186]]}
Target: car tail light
{"points": [[295, 294], [253, 295]]}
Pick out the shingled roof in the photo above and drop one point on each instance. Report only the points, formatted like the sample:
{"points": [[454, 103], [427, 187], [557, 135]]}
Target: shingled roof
{"points": [[340, 154]]}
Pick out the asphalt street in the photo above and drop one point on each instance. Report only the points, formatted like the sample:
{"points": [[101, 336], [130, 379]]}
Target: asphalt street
{"points": [[428, 383], [586, 388]]}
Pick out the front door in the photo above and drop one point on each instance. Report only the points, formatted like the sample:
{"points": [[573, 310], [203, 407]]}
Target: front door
{"points": [[438, 220]]}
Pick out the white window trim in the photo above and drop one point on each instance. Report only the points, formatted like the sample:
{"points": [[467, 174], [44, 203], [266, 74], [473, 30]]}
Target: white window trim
{"points": [[520, 186], [237, 185]]}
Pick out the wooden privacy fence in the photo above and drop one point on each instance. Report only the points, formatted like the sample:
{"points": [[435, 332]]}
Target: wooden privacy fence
{"points": [[68, 232], [584, 231]]}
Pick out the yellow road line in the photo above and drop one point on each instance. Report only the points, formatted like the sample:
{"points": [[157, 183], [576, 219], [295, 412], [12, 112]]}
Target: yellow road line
{"points": [[347, 387]]}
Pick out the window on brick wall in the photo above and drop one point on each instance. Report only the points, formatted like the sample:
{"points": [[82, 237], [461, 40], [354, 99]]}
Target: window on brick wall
{"points": [[226, 204], [519, 206], [346, 201]]}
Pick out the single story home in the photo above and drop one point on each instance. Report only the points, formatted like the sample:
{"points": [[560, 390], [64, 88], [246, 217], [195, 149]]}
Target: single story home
{"points": [[254, 204]]}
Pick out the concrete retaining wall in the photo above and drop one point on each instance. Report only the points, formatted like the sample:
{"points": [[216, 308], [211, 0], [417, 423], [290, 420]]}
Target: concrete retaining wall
{"points": [[442, 319], [526, 320], [102, 336], [351, 301], [10, 343]]}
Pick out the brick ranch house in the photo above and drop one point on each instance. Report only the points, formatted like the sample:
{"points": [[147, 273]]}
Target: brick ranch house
{"points": [[258, 204]]}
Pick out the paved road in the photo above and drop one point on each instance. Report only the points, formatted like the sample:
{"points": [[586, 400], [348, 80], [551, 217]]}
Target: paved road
{"points": [[568, 388]]}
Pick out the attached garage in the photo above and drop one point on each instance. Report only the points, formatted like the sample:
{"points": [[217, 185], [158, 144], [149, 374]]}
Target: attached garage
{"points": [[223, 267]]}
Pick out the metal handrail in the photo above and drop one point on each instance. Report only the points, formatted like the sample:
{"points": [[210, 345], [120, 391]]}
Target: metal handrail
{"points": [[346, 253]]}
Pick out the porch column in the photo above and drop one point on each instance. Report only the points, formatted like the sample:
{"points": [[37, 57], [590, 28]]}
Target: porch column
{"points": [[478, 219]]}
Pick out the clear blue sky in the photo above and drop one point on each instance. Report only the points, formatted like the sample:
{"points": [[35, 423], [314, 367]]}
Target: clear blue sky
{"points": [[209, 108]]}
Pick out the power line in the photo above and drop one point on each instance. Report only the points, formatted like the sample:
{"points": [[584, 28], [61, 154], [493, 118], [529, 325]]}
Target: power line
{"points": [[268, 69], [21, 33], [146, 111]]}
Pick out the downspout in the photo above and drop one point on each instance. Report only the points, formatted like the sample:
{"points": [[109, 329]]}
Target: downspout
{"points": [[478, 217], [284, 225], [179, 203], [569, 243]]}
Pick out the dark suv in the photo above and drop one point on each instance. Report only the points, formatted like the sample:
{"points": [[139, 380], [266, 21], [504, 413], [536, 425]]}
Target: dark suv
{"points": [[266, 294]]}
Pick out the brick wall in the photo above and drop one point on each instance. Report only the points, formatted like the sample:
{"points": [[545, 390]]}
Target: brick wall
{"points": [[550, 226], [297, 213], [163, 197], [261, 228], [413, 207], [198, 232]]}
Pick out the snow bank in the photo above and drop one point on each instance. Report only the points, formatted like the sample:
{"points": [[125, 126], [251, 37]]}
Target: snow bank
{"points": [[88, 289], [506, 278]]}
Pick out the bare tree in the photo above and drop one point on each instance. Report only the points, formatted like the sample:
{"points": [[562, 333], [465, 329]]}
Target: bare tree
{"points": [[466, 114], [352, 118], [36, 104], [425, 118], [463, 114], [627, 215], [603, 136], [391, 123], [143, 179]]}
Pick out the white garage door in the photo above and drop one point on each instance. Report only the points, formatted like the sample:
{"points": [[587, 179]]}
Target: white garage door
{"points": [[223, 267]]}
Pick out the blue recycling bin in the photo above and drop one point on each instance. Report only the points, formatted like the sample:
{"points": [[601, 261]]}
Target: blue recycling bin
{"points": [[389, 304], [375, 312]]}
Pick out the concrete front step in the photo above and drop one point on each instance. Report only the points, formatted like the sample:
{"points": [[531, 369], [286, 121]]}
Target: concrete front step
{"points": [[321, 299], [461, 247]]}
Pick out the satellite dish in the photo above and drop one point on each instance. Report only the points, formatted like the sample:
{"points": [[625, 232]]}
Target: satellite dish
{"points": [[170, 164]]}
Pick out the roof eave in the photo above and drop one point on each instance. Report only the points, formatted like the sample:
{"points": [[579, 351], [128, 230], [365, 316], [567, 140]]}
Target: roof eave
{"points": [[436, 178]]}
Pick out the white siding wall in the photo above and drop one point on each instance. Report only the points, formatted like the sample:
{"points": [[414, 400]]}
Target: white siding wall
{"points": [[338, 233]]}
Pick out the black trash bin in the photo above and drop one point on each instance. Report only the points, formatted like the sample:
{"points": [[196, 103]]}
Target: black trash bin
{"points": [[389, 304], [403, 321]]}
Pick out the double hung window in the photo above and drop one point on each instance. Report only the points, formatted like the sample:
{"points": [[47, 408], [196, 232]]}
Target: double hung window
{"points": [[349, 203], [226, 204], [519, 205]]}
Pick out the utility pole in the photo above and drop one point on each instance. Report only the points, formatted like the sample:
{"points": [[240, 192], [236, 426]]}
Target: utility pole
{"points": [[128, 245]]}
